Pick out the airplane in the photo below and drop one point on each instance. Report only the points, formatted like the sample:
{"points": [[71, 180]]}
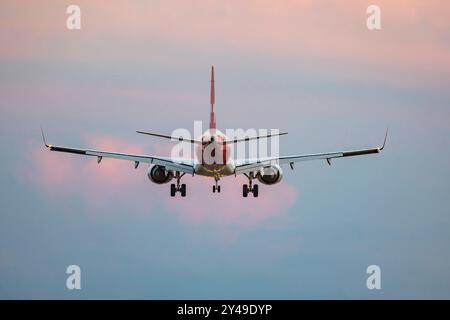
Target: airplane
{"points": [[267, 170]]}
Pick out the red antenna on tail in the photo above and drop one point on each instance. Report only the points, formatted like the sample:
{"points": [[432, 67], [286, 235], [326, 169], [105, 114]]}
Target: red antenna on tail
{"points": [[212, 121]]}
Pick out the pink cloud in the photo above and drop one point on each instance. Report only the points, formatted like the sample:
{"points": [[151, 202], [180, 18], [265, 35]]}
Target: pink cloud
{"points": [[413, 41], [98, 185], [229, 207], [65, 176]]}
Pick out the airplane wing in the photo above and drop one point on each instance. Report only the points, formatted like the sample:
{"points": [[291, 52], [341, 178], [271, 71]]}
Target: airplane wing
{"points": [[250, 165], [176, 164]]}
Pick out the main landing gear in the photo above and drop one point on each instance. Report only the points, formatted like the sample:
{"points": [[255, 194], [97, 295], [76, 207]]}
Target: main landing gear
{"points": [[253, 188], [178, 187]]}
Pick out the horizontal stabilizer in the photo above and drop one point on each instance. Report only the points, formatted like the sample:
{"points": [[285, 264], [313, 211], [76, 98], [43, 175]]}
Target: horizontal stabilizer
{"points": [[236, 140], [170, 137]]}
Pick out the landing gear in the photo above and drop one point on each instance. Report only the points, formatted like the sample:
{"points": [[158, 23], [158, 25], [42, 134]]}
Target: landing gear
{"points": [[178, 187], [255, 191], [245, 191], [216, 187], [183, 190], [253, 188]]}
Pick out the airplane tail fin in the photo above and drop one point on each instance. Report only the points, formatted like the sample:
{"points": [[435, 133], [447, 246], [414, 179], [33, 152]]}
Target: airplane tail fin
{"points": [[212, 120]]}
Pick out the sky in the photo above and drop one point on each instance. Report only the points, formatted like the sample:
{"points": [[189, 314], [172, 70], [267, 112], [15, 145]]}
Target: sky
{"points": [[311, 68]]}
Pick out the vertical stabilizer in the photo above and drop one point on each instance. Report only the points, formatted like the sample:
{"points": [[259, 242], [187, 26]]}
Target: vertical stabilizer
{"points": [[212, 120]]}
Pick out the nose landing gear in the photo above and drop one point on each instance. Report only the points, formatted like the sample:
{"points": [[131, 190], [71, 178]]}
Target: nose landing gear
{"points": [[253, 188], [178, 187], [216, 187]]}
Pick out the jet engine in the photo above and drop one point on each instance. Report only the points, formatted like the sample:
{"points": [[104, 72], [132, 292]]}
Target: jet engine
{"points": [[270, 175], [159, 174]]}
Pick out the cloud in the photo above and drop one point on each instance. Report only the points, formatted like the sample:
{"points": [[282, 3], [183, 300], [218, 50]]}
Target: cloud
{"points": [[229, 207], [71, 177], [412, 42], [101, 187]]}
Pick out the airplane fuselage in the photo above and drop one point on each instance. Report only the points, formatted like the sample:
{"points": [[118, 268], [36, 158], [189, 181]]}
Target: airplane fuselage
{"points": [[213, 157]]}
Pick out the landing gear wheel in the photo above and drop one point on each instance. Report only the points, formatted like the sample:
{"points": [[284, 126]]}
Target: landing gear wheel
{"points": [[255, 191], [245, 190], [250, 187], [216, 187], [183, 190], [173, 190]]}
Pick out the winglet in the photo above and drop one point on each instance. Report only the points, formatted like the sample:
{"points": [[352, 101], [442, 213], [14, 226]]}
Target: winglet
{"points": [[385, 138], [43, 138]]}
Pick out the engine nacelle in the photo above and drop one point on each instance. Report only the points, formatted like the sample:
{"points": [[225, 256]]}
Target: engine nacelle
{"points": [[270, 175], [159, 174]]}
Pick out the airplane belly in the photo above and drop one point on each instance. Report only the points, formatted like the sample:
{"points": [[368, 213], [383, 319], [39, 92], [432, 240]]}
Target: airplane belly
{"points": [[213, 170]]}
